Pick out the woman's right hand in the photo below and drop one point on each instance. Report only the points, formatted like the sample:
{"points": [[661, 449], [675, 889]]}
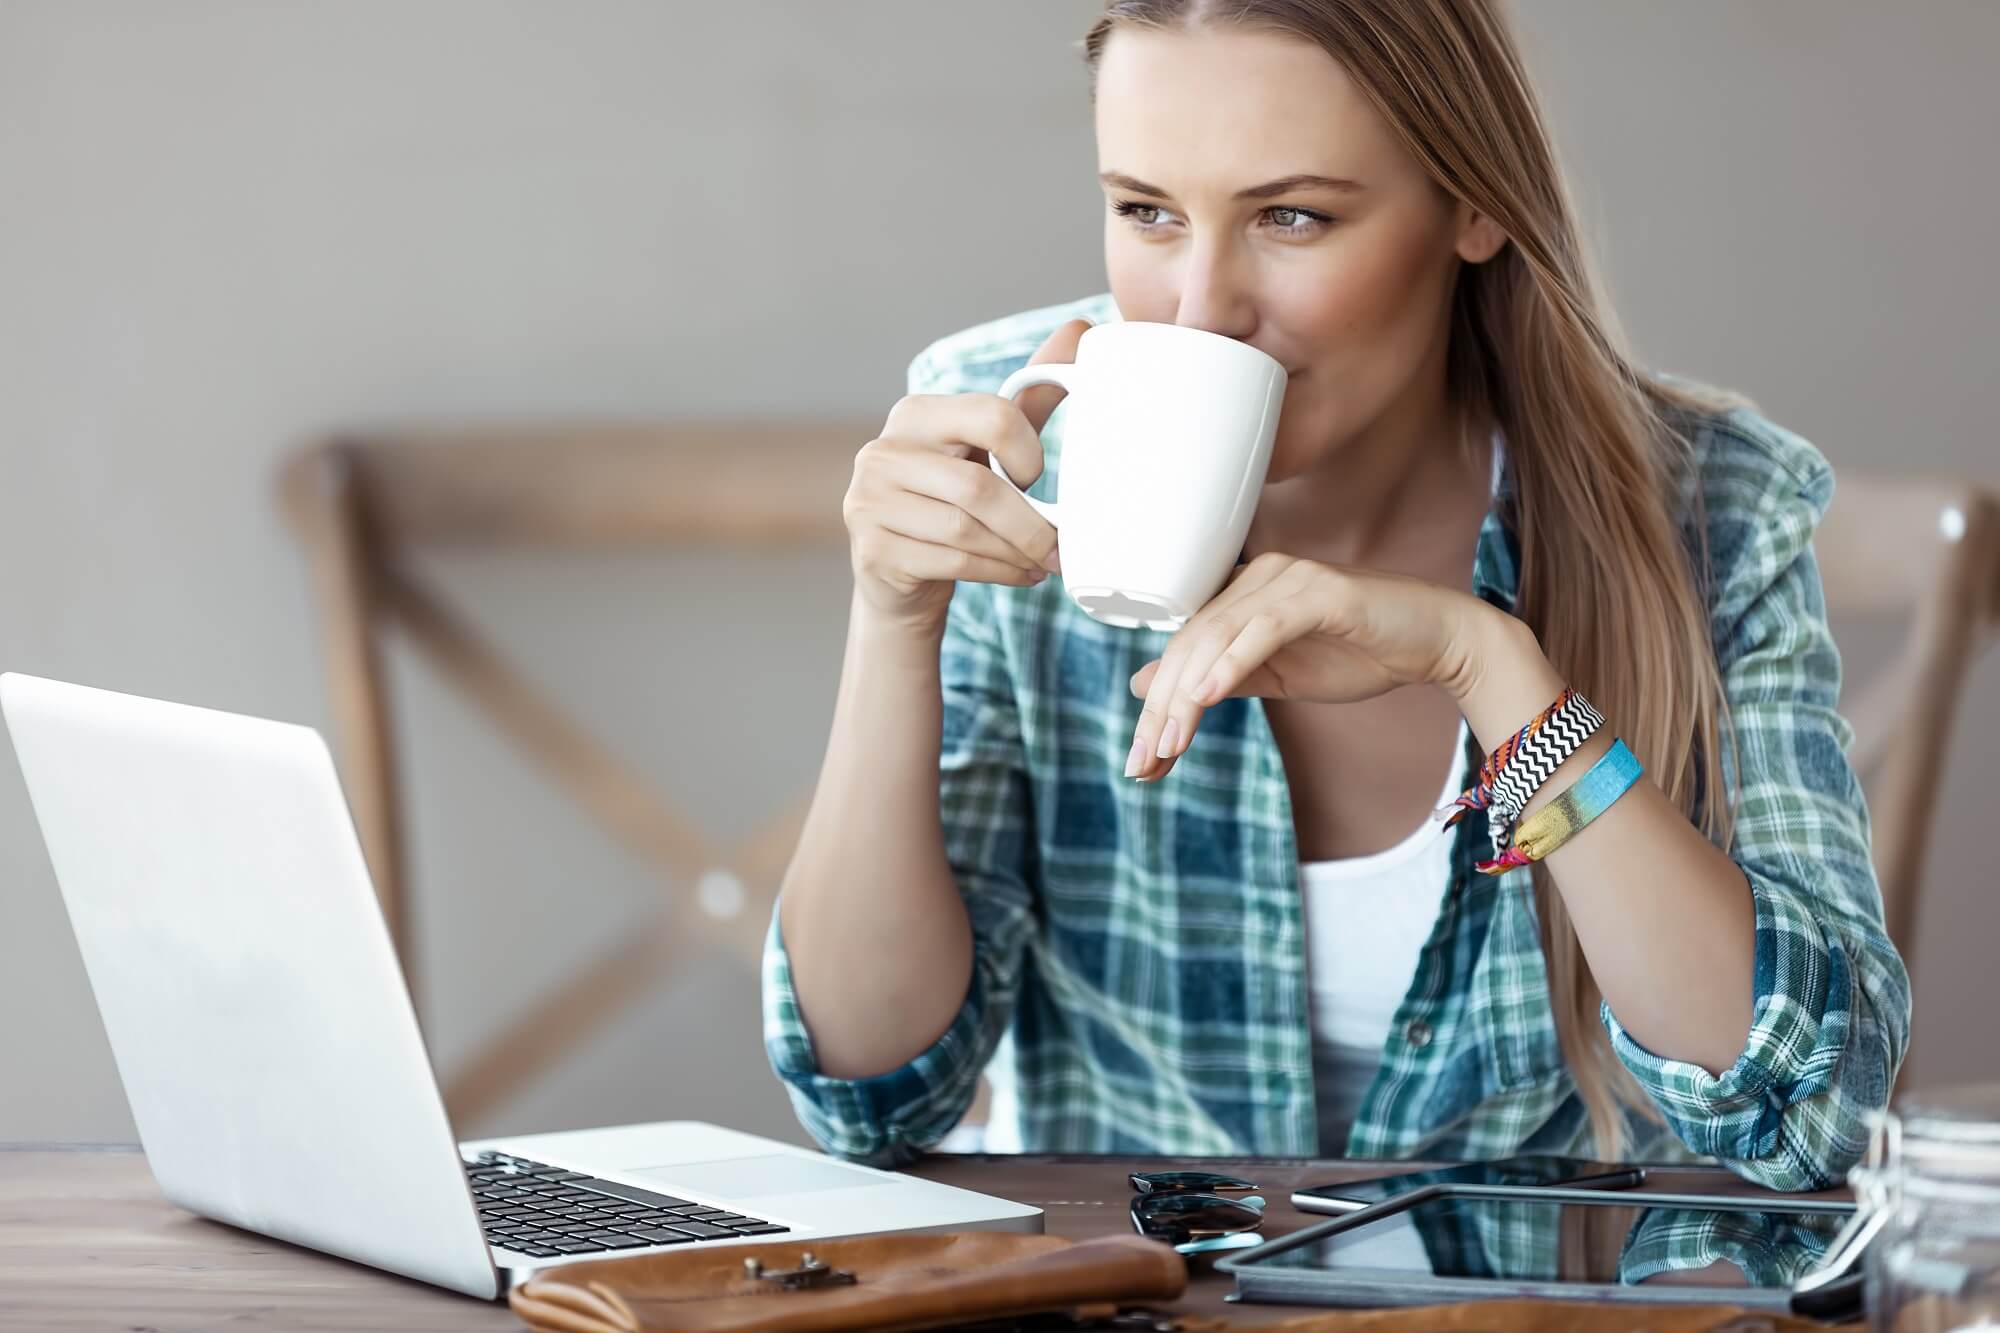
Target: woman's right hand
{"points": [[924, 509]]}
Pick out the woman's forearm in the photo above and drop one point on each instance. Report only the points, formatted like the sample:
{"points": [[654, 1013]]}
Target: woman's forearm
{"points": [[1665, 918], [877, 935]]}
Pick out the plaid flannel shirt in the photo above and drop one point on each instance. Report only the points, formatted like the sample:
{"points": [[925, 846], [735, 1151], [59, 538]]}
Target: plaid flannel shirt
{"points": [[1145, 944]]}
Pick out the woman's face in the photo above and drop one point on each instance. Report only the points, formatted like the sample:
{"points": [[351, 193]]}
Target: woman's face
{"points": [[1203, 138]]}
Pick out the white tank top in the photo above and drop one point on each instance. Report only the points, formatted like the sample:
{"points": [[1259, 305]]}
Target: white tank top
{"points": [[1366, 920]]}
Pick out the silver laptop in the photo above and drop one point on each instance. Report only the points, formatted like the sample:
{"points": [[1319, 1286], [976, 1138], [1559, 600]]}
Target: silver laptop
{"points": [[272, 1058]]}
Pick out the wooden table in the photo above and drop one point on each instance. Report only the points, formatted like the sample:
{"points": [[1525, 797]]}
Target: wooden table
{"points": [[86, 1241]]}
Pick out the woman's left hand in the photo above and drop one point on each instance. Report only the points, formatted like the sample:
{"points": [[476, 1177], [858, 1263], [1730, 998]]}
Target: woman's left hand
{"points": [[1286, 628]]}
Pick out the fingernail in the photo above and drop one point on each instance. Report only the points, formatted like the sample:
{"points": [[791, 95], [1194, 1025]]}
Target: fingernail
{"points": [[1053, 562], [1169, 738], [1137, 759], [1205, 692]]}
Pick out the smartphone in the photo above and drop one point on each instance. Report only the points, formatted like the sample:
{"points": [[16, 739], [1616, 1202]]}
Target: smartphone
{"points": [[1349, 1196]]}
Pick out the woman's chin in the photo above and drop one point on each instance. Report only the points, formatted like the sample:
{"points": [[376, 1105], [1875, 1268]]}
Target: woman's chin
{"points": [[1293, 459]]}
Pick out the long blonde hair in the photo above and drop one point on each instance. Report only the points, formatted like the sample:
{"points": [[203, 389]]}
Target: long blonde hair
{"points": [[1606, 583]]}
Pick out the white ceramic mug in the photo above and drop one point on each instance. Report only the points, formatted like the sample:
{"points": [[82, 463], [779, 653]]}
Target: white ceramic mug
{"points": [[1167, 438]]}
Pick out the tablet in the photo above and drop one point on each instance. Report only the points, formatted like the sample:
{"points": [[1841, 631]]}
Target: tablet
{"points": [[1351, 1196], [1464, 1243]]}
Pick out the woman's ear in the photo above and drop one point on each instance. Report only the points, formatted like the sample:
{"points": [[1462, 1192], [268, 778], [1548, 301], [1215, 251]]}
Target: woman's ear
{"points": [[1479, 237]]}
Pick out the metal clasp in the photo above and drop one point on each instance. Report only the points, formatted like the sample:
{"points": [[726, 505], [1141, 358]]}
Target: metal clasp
{"points": [[810, 1273]]}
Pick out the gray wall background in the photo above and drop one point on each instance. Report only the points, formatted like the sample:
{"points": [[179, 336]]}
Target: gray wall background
{"points": [[227, 227]]}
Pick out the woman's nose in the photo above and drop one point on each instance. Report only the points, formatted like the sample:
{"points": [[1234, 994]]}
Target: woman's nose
{"points": [[1213, 301]]}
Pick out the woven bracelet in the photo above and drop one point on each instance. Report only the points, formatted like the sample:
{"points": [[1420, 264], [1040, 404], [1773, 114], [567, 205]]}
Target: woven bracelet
{"points": [[1519, 766]]}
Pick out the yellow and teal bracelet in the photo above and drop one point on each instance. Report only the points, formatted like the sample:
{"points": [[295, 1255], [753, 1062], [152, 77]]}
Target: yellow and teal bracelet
{"points": [[1558, 821]]}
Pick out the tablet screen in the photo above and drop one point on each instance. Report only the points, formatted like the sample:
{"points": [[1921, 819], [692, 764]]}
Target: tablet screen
{"points": [[1543, 1240]]}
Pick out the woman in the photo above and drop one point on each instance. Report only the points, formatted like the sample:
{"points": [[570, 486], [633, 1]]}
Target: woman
{"points": [[1194, 876]]}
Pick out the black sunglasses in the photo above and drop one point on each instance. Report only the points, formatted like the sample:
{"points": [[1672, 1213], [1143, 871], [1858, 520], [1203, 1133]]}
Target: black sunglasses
{"points": [[1188, 1207], [1180, 1218], [1188, 1182]]}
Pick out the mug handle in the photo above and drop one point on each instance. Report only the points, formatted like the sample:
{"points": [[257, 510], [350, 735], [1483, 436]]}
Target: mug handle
{"points": [[1064, 375]]}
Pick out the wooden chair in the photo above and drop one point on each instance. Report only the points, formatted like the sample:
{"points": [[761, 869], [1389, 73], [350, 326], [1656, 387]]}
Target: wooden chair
{"points": [[360, 502], [1928, 550]]}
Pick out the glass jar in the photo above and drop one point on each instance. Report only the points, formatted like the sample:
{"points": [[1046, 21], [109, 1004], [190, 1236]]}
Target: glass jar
{"points": [[1932, 1181]]}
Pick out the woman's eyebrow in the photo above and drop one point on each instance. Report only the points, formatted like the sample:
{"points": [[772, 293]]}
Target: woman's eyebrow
{"points": [[1282, 185]]}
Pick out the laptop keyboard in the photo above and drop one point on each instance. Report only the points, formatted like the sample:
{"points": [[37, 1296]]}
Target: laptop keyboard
{"points": [[532, 1208]]}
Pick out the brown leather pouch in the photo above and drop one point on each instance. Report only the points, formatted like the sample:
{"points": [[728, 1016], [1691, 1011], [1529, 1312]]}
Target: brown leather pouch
{"points": [[883, 1283]]}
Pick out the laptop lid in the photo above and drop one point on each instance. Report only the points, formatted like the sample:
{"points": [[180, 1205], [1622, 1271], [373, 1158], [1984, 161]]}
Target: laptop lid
{"points": [[245, 977]]}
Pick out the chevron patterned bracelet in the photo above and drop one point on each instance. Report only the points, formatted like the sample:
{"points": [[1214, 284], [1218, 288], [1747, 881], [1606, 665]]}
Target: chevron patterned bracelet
{"points": [[1515, 770], [1546, 743]]}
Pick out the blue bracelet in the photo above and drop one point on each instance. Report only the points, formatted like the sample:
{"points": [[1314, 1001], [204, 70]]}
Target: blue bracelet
{"points": [[1560, 820]]}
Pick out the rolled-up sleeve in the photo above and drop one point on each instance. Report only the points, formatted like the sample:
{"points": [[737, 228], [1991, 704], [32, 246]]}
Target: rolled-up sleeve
{"points": [[984, 805], [1831, 1012]]}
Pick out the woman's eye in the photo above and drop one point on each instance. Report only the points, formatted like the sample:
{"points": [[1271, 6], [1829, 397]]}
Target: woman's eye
{"points": [[1142, 216], [1301, 221]]}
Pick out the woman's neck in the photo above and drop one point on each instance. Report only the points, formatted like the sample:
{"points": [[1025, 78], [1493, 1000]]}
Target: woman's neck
{"points": [[1387, 499]]}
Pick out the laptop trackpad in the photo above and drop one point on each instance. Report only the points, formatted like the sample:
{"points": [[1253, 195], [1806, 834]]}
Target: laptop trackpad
{"points": [[749, 1177]]}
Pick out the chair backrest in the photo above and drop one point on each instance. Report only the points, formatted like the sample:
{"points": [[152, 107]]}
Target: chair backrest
{"points": [[363, 503], [1927, 549]]}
